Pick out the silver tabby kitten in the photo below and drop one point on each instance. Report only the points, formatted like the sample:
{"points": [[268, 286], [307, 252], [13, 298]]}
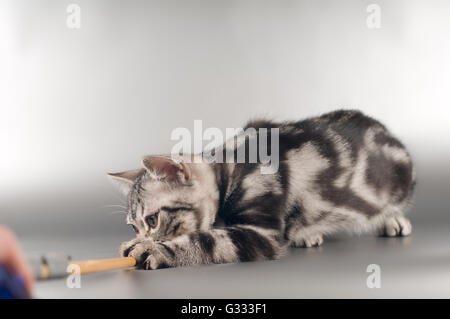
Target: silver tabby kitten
{"points": [[342, 171]]}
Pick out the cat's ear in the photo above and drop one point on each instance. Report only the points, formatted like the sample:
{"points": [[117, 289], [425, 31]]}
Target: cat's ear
{"points": [[168, 168], [125, 179]]}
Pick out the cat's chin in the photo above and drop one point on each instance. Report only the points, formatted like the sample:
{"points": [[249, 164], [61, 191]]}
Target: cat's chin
{"points": [[157, 238], [161, 238]]}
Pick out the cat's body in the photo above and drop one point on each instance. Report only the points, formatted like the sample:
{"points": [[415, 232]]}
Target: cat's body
{"points": [[342, 171]]}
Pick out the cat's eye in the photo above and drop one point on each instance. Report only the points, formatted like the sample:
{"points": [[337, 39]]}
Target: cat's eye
{"points": [[152, 220], [135, 229]]}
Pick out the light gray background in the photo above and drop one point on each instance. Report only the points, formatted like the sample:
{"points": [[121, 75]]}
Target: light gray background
{"points": [[75, 104]]}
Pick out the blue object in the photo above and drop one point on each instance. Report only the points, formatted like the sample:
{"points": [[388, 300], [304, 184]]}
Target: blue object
{"points": [[12, 286]]}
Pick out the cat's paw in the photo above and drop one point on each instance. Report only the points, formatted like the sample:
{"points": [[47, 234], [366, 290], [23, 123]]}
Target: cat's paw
{"points": [[310, 241], [396, 226], [148, 254], [127, 246], [156, 260]]}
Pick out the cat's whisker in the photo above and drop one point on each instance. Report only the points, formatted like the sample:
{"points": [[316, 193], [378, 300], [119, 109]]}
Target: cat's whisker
{"points": [[118, 212], [119, 198], [120, 206]]}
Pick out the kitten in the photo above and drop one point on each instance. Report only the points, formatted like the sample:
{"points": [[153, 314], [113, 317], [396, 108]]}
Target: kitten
{"points": [[342, 171]]}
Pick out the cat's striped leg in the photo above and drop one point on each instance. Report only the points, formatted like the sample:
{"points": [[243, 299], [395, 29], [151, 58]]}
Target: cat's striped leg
{"points": [[227, 245]]}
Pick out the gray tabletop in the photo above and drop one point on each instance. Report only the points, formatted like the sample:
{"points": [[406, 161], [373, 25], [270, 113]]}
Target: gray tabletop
{"points": [[412, 267]]}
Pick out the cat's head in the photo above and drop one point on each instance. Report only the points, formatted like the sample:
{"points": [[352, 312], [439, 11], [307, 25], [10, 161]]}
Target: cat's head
{"points": [[169, 196]]}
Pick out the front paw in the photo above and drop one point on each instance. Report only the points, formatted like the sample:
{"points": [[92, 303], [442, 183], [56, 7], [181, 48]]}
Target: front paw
{"points": [[148, 254], [126, 247]]}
